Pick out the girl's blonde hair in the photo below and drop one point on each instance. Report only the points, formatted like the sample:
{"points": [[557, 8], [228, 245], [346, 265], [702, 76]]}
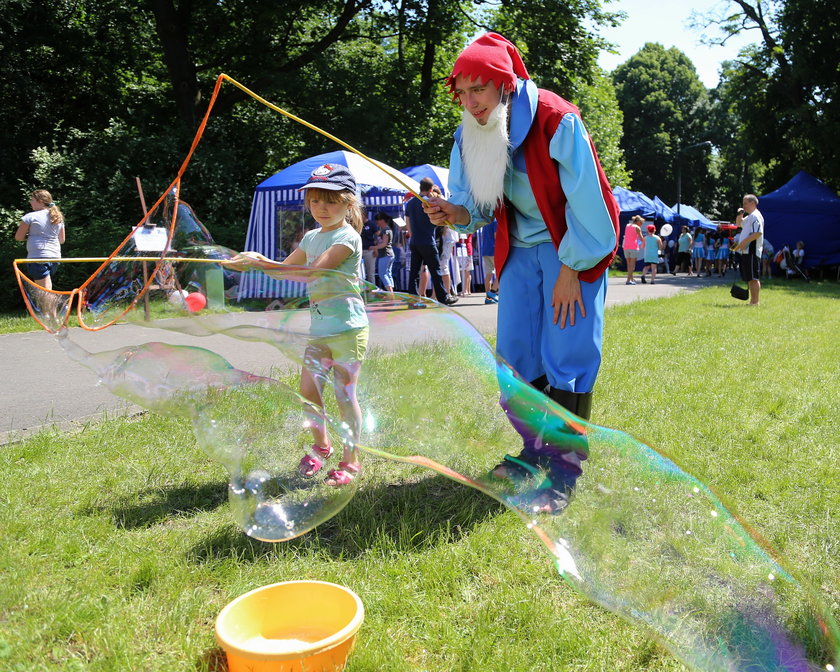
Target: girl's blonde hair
{"points": [[355, 218], [44, 197]]}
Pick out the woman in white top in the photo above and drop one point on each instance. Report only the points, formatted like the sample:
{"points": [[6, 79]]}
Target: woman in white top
{"points": [[43, 231]]}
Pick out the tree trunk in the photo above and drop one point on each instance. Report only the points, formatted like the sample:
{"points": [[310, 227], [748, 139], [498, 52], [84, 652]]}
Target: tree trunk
{"points": [[172, 28]]}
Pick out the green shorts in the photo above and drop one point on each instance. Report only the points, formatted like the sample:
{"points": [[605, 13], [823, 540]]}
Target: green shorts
{"points": [[345, 347]]}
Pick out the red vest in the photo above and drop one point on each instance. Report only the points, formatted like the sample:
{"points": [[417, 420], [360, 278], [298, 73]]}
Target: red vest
{"points": [[545, 182]]}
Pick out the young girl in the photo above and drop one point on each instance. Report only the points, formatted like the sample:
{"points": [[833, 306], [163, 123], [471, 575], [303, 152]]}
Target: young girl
{"points": [[653, 244], [464, 249], [711, 253], [43, 231], [339, 329], [698, 252], [722, 255]]}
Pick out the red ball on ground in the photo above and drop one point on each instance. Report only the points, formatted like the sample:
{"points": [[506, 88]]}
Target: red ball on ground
{"points": [[195, 301]]}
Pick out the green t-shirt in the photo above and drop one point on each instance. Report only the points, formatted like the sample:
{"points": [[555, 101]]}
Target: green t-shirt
{"points": [[335, 300]]}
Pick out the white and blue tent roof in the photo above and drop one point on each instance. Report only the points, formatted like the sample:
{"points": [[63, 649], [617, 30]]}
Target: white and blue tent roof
{"points": [[373, 182], [438, 175], [378, 189]]}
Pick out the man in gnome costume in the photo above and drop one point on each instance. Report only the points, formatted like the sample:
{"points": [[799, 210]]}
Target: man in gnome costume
{"points": [[522, 154]]}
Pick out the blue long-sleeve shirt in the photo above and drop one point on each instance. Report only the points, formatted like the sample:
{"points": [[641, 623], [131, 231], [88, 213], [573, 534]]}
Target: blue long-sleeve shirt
{"points": [[590, 234]]}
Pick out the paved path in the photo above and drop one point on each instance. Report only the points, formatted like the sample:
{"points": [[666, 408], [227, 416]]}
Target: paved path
{"points": [[40, 386]]}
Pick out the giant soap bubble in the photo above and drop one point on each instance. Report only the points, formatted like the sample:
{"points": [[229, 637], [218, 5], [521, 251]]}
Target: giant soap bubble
{"points": [[636, 534], [630, 529]]}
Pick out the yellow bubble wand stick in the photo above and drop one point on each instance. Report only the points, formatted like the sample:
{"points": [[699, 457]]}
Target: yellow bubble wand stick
{"points": [[341, 142]]}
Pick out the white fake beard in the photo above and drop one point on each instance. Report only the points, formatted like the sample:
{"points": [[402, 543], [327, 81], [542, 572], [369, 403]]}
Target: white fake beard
{"points": [[484, 153]]}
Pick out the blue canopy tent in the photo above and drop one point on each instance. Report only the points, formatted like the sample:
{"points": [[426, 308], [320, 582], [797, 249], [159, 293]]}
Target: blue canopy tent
{"points": [[804, 209], [688, 216], [277, 212], [631, 203]]}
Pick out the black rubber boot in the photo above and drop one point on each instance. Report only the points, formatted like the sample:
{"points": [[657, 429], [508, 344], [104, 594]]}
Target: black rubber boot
{"points": [[578, 403], [566, 463], [548, 472]]}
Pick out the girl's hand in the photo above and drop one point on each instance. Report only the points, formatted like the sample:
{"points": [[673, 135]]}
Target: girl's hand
{"points": [[565, 295], [245, 261]]}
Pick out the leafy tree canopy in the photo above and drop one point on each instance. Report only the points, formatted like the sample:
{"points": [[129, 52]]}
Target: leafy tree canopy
{"points": [[665, 108], [99, 91], [783, 91]]}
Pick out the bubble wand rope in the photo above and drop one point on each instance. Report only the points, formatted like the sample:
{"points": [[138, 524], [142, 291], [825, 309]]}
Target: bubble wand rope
{"points": [[291, 116]]}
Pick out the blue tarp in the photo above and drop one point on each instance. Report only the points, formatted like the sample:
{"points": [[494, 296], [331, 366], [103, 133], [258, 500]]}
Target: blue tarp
{"points": [[691, 217], [804, 209], [632, 203]]}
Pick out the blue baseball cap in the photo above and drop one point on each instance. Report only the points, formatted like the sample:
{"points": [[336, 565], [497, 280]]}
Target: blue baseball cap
{"points": [[331, 176]]}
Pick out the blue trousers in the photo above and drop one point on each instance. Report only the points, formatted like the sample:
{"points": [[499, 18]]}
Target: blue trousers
{"points": [[527, 338], [383, 267]]}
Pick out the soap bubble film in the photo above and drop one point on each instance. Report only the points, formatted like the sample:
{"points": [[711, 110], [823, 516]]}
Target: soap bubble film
{"points": [[624, 524], [254, 426], [627, 527]]}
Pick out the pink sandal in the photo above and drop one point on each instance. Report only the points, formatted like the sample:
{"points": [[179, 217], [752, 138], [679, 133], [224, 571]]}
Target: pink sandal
{"points": [[311, 463], [344, 475]]}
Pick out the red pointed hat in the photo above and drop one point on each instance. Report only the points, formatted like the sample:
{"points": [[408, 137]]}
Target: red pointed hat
{"points": [[492, 58]]}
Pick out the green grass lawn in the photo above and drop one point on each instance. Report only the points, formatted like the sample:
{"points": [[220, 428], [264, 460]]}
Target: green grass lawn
{"points": [[120, 549]]}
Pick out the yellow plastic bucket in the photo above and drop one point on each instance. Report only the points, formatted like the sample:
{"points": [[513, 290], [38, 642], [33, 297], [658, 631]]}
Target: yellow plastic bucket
{"points": [[294, 626]]}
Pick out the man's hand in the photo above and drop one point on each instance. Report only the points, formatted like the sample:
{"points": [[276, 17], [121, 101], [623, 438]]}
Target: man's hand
{"points": [[566, 295], [441, 212]]}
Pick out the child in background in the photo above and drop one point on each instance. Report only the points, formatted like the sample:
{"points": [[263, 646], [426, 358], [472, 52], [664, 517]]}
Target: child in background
{"points": [[450, 238], [384, 246], [465, 263], [722, 255], [653, 244], [799, 255], [698, 251], [339, 328], [711, 254]]}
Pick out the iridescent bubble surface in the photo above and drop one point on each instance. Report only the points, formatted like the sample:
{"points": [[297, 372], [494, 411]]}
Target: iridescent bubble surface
{"points": [[254, 426], [633, 531]]}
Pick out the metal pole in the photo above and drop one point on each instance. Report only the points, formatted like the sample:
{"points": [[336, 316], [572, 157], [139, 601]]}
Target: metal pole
{"points": [[679, 183], [705, 143]]}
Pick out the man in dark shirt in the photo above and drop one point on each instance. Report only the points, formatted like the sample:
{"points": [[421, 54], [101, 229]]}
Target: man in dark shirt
{"points": [[422, 246], [368, 234]]}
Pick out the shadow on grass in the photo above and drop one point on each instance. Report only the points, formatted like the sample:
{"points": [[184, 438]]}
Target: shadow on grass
{"points": [[157, 505], [800, 288], [407, 517], [213, 660], [821, 289]]}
